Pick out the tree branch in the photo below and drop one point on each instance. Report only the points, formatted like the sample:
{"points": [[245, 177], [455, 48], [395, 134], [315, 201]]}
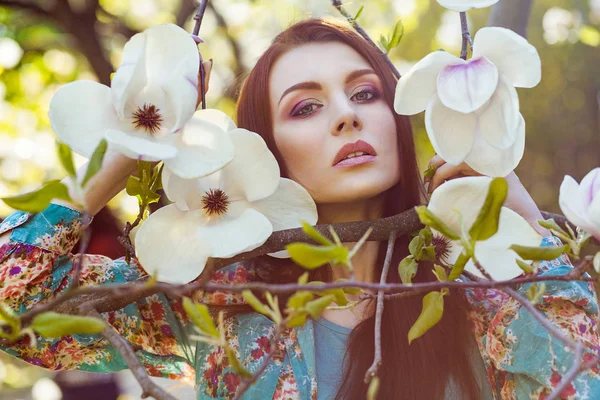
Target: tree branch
{"points": [[372, 371], [512, 15], [32, 7]]}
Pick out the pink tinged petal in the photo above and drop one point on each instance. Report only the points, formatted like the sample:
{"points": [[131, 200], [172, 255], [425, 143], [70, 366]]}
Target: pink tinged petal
{"points": [[463, 195], [517, 60], [167, 244], [494, 162], [494, 254], [500, 117], [416, 88], [235, 234], [467, 86], [216, 117], [139, 146], [452, 134], [80, 113], [254, 172], [288, 207], [572, 204], [202, 148], [589, 188], [465, 5]]}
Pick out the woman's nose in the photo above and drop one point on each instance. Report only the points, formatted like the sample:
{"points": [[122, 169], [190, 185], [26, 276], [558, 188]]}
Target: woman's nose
{"points": [[347, 121]]}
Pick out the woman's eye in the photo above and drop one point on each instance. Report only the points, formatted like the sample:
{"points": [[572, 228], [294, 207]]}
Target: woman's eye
{"points": [[306, 110], [364, 95]]}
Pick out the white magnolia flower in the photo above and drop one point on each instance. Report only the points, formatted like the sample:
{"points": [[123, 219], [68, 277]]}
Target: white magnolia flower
{"points": [[465, 5], [221, 215], [581, 202], [467, 195], [471, 107], [152, 96]]}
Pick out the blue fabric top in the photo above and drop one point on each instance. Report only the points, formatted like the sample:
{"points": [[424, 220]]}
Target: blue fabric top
{"points": [[331, 341]]}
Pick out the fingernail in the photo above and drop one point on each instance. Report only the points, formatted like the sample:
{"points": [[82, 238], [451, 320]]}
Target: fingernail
{"points": [[211, 61]]}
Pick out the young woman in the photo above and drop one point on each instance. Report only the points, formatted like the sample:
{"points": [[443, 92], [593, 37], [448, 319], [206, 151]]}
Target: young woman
{"points": [[318, 88]]}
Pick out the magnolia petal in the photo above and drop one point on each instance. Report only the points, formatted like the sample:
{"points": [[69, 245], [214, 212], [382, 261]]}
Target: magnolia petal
{"points": [[494, 162], [590, 187], [254, 172], [80, 113], [465, 195], [280, 254], [572, 204], [464, 5], [167, 244], [499, 118], [140, 147], [202, 148], [217, 117], [232, 235], [415, 89], [594, 217], [494, 254], [185, 193], [466, 86], [166, 57], [288, 206], [452, 134], [517, 60]]}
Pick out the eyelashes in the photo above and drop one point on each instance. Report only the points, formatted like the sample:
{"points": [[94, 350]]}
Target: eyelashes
{"points": [[365, 95]]}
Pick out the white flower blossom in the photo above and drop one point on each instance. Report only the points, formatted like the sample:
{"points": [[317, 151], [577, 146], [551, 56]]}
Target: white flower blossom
{"points": [[471, 107], [465, 5], [580, 203], [221, 215], [467, 195]]}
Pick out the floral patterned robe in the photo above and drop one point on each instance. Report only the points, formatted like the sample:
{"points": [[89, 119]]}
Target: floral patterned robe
{"points": [[522, 360]]}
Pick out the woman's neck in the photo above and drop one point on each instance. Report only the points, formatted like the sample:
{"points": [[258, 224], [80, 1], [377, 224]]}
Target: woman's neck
{"points": [[364, 210]]}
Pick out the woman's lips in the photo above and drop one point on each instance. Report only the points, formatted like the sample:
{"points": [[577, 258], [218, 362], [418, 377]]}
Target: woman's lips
{"points": [[354, 161]]}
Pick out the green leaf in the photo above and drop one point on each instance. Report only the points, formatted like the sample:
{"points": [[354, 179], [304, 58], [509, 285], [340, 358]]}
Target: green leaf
{"points": [[298, 319], [397, 35], [315, 235], [429, 172], [95, 162], [431, 313], [134, 186], [535, 292], [459, 266], [373, 389], [383, 41], [440, 273], [38, 200], [415, 247], [200, 316], [256, 304], [360, 10], [317, 306], [407, 269], [236, 364], [339, 297], [65, 155], [427, 218], [156, 183], [428, 253], [528, 269], [54, 325], [299, 299], [553, 226], [303, 280], [486, 224], [538, 253], [426, 235], [312, 257], [349, 290]]}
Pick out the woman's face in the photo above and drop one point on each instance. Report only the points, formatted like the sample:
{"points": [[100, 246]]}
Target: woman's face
{"points": [[327, 103]]}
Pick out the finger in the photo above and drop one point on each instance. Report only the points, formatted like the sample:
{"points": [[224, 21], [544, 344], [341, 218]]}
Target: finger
{"points": [[437, 161], [442, 174]]}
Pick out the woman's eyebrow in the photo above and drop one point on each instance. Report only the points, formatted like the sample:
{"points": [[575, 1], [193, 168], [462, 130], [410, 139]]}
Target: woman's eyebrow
{"points": [[312, 85]]}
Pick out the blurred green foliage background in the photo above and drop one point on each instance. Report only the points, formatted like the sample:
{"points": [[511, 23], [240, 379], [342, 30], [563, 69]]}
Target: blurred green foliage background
{"points": [[46, 44]]}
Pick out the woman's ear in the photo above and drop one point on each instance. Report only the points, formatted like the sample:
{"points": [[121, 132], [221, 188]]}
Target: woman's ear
{"points": [[207, 69]]}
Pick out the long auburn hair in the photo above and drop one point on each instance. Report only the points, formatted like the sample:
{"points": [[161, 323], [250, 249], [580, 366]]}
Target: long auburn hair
{"points": [[423, 369]]}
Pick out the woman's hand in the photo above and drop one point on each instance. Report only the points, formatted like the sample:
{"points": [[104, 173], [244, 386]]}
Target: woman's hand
{"points": [[518, 199]]}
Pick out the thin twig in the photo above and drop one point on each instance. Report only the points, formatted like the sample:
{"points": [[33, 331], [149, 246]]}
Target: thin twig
{"points": [[372, 371], [338, 5], [466, 36], [570, 375], [199, 15], [246, 383], [133, 363]]}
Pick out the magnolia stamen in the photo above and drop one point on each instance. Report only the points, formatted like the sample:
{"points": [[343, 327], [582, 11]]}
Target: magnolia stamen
{"points": [[441, 245], [215, 202], [148, 118]]}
